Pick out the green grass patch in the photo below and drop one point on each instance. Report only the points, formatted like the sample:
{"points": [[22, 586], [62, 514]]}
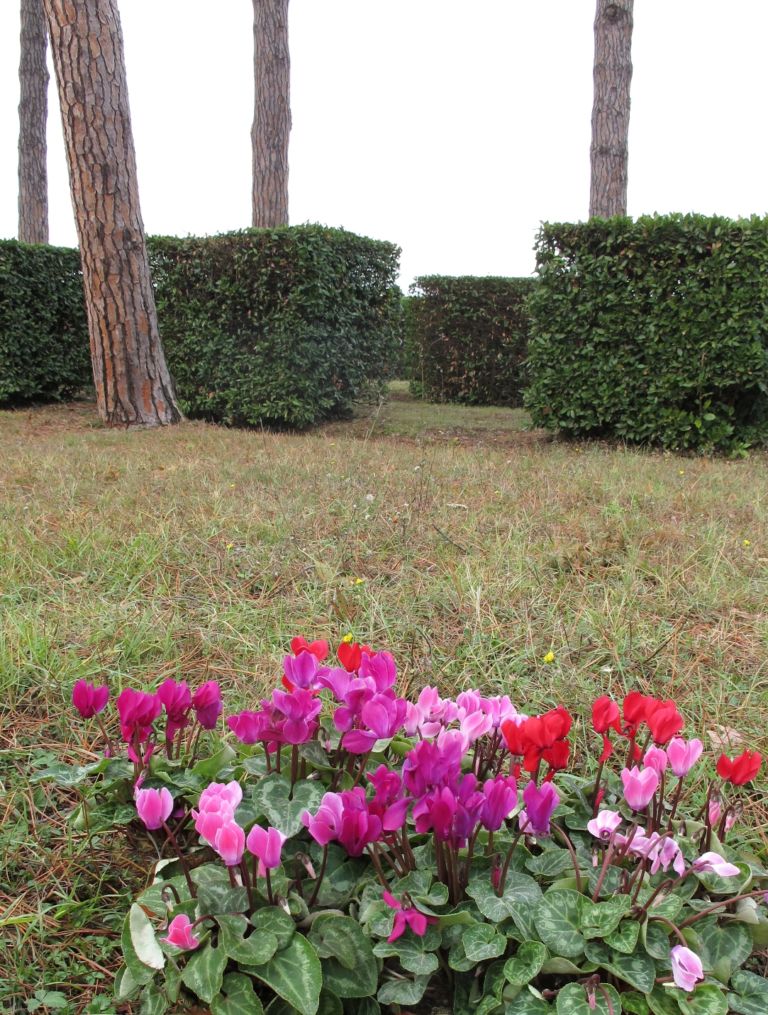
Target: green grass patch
{"points": [[198, 552]]}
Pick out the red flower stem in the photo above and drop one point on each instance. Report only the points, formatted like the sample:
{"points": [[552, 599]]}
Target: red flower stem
{"points": [[294, 767], [184, 866], [572, 851], [268, 879], [247, 883], [596, 790], [603, 870], [675, 802], [102, 727], [673, 927], [279, 759], [361, 769], [319, 878], [508, 860], [377, 865]]}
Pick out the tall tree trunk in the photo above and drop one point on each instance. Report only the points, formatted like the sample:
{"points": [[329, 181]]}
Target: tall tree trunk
{"points": [[272, 112], [133, 386], [33, 113], [610, 110]]}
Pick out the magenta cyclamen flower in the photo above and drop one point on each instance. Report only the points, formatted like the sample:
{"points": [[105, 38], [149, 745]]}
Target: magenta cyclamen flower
{"points": [[388, 804], [383, 715], [177, 701], [686, 968], [605, 824], [230, 843], [406, 917], [302, 670], [683, 755], [137, 711], [206, 701], [88, 699], [345, 818], [266, 844], [154, 806], [639, 786], [180, 934], [500, 800], [451, 813], [540, 804]]}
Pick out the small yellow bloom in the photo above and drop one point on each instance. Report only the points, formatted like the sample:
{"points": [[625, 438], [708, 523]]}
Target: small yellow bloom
{"points": [[230, 546], [348, 638], [549, 657], [746, 542], [682, 472], [359, 581]]}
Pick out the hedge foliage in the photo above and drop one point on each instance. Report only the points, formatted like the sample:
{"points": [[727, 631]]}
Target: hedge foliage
{"points": [[44, 350], [468, 338], [281, 327], [653, 331]]}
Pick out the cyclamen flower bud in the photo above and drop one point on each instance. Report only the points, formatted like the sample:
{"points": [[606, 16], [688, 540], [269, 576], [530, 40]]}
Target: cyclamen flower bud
{"points": [[180, 934], [686, 968]]}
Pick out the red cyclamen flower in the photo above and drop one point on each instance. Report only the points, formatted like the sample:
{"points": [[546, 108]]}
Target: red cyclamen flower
{"points": [[319, 649], [664, 721], [605, 715], [740, 770]]}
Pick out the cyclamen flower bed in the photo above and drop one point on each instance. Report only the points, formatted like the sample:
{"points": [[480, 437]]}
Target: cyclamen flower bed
{"points": [[357, 851]]}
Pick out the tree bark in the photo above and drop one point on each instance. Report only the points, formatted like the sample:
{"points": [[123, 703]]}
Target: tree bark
{"points": [[272, 112], [610, 110], [33, 113], [133, 385]]}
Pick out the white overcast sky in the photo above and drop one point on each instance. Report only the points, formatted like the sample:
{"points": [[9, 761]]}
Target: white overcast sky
{"points": [[451, 127]]}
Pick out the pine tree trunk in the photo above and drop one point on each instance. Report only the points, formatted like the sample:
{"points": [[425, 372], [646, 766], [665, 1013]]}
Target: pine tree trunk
{"points": [[272, 112], [133, 386], [33, 113], [610, 111]]}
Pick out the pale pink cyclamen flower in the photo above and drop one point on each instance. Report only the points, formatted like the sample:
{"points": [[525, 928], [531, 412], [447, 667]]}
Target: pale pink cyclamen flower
{"points": [[266, 844], [639, 786], [605, 824], [715, 864], [686, 968], [656, 758], [230, 843], [683, 755], [154, 806], [180, 934]]}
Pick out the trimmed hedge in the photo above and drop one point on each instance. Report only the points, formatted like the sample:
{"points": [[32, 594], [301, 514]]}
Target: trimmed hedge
{"points": [[278, 327], [467, 338], [652, 331], [44, 350]]}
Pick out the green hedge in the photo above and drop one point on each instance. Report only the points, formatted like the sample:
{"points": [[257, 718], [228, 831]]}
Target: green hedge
{"points": [[652, 331], [282, 327], [43, 332], [467, 338]]}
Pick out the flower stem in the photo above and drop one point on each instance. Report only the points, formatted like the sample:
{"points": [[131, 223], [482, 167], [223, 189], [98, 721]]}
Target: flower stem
{"points": [[319, 878], [184, 866], [574, 859]]}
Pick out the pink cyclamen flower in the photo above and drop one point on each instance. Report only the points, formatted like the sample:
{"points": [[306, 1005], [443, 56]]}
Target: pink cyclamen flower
{"points": [[639, 786], [605, 824], [230, 843], [137, 711], [230, 793], [88, 699], [686, 968], [406, 917], [715, 864], [206, 701], [180, 934], [266, 844], [540, 804], [154, 806], [683, 755], [656, 758], [500, 800]]}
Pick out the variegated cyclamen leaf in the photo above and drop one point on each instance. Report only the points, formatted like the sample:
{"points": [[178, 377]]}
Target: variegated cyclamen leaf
{"points": [[527, 1003], [402, 991], [624, 939], [254, 950], [237, 997], [526, 963], [637, 970], [519, 890], [706, 999], [204, 971], [143, 938], [483, 942], [558, 918], [295, 974], [600, 918], [574, 999], [724, 947], [749, 993]]}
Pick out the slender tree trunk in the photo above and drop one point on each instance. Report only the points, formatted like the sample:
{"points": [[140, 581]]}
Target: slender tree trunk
{"points": [[272, 112], [33, 113], [610, 111], [133, 386]]}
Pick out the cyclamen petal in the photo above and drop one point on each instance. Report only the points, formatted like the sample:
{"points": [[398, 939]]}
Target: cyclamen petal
{"points": [[180, 934], [716, 864]]}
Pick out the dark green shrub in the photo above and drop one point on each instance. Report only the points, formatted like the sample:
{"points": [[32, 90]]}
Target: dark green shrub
{"points": [[652, 331], [44, 350], [283, 326], [468, 338]]}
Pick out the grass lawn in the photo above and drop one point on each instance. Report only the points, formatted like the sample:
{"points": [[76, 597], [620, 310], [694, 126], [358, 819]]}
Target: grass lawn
{"points": [[448, 535]]}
